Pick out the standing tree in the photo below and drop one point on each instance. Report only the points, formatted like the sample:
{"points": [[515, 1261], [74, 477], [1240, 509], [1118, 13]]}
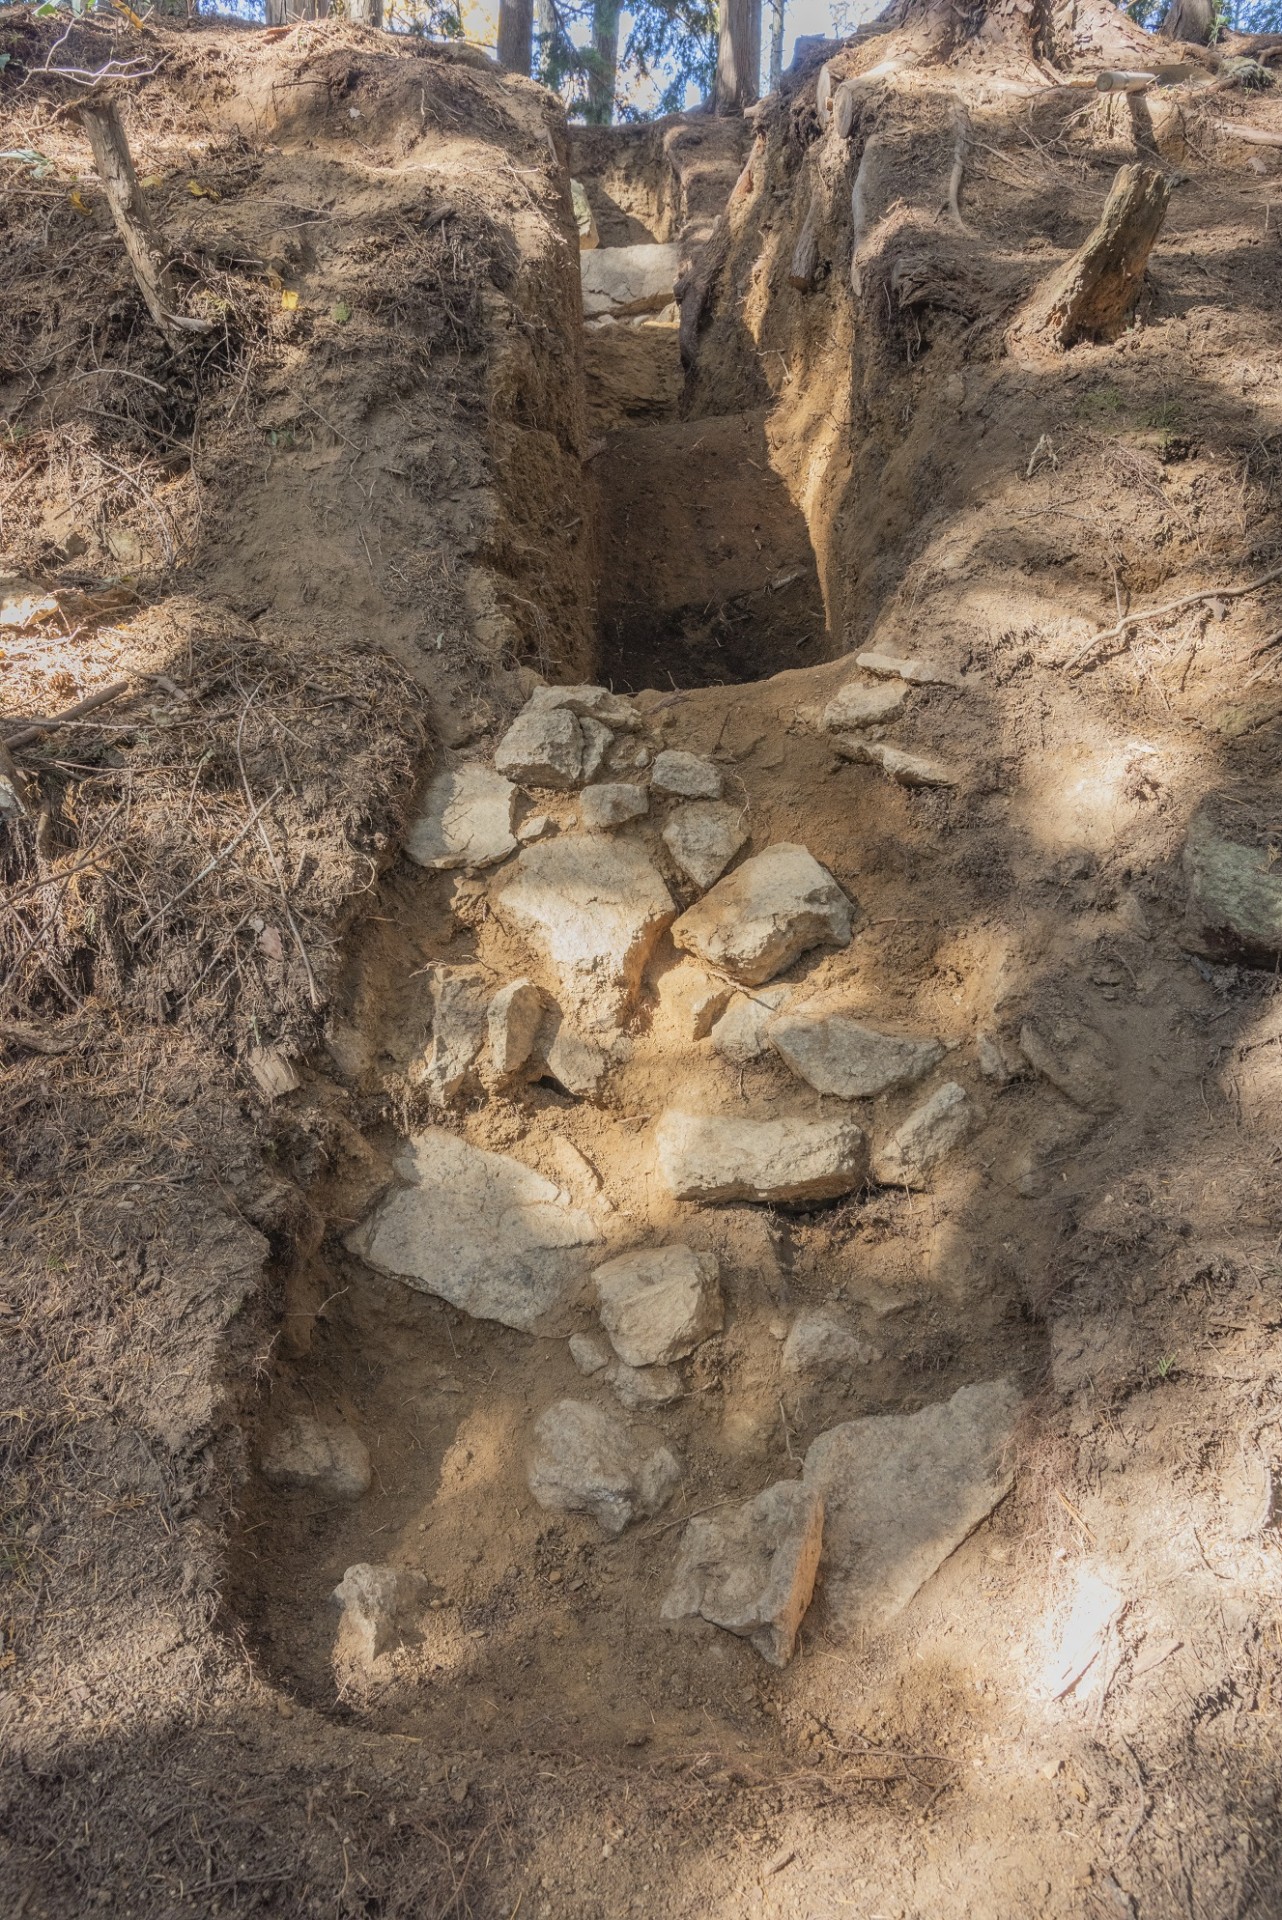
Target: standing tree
{"points": [[516, 35], [603, 62], [775, 68], [738, 81]]}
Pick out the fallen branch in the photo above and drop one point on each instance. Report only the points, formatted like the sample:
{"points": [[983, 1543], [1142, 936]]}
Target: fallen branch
{"points": [[1130, 620], [961, 146], [152, 270], [1255, 136], [32, 729]]}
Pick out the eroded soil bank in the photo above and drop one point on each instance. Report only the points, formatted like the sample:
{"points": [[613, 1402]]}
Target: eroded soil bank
{"points": [[396, 508]]}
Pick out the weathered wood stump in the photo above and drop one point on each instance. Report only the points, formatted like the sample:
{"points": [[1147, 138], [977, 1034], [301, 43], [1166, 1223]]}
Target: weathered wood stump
{"points": [[1093, 295]]}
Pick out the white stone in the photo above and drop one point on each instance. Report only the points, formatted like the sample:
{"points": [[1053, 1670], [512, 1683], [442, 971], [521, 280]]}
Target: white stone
{"points": [[902, 1491], [858, 705], [622, 280], [460, 1000], [512, 1020], [379, 1607], [822, 1341], [690, 1001], [306, 1456], [478, 1229], [658, 1303], [542, 749], [929, 1133], [704, 838], [917, 672], [589, 1352], [751, 1568], [905, 769], [761, 917], [588, 703], [536, 827], [835, 1053], [593, 906], [611, 805], [637, 1387], [597, 741], [465, 819], [721, 1157], [742, 1032], [688, 775], [587, 1460], [576, 1064]]}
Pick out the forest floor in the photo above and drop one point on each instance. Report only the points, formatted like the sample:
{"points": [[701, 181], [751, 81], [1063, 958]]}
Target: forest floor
{"points": [[332, 547]]}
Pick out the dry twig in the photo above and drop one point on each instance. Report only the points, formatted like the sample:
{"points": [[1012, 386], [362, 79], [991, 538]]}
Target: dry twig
{"points": [[1172, 606]]}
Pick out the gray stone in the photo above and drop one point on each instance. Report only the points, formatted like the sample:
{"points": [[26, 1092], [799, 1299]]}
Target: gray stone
{"points": [[622, 280], [704, 838], [593, 906], [588, 703], [658, 1303], [742, 1032], [929, 1133], [611, 805], [994, 1062], [1074, 1058], [576, 1064], [1234, 897], [905, 769], [380, 1608], [478, 1229], [307, 1456], [512, 1020], [589, 1352], [628, 755], [587, 1460], [721, 1157], [688, 775], [917, 672], [821, 1342], [835, 1053], [542, 749], [536, 827], [761, 917], [638, 1387], [465, 819], [858, 705], [460, 1002], [691, 1001], [751, 1568], [902, 1491], [597, 741]]}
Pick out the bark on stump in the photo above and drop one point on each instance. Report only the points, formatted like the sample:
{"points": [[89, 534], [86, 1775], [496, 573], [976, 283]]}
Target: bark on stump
{"points": [[1093, 295]]}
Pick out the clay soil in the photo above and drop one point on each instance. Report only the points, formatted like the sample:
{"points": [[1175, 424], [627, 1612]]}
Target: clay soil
{"points": [[348, 532]]}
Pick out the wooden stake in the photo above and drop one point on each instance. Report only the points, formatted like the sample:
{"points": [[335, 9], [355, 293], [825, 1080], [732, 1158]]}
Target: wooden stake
{"points": [[111, 157]]}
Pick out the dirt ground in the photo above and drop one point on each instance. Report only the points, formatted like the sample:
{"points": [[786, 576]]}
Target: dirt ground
{"points": [[346, 533]]}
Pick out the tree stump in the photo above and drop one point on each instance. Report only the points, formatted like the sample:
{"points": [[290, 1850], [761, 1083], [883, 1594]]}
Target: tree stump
{"points": [[1093, 295], [101, 122]]}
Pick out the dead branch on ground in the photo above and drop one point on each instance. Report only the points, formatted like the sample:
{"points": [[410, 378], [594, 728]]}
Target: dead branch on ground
{"points": [[31, 730], [961, 146]]}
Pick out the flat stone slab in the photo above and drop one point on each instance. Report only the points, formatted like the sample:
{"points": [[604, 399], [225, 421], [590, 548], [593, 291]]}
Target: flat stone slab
{"points": [[658, 1303], [308, 1456], [915, 671], [1234, 897], [835, 1053], [589, 1460], [721, 1157], [465, 819], [593, 906], [751, 1568], [765, 914], [929, 1133], [905, 769], [704, 838], [858, 705], [478, 1229], [901, 1492], [622, 280]]}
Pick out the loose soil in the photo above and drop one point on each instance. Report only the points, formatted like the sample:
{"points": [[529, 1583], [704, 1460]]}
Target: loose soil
{"points": [[382, 517]]}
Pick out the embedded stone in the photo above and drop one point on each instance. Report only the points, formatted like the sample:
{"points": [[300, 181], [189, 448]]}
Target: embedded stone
{"points": [[691, 1001], [308, 1456], [460, 1002], [742, 1032], [760, 918], [917, 672], [1234, 896], [512, 1020], [637, 1387], [688, 775], [611, 805], [380, 1608], [901, 1491], [905, 769], [574, 1063], [1076, 1059], [464, 820], [926, 1136], [625, 280], [704, 838], [542, 749], [722, 1157], [588, 1460], [589, 1353], [835, 1053], [751, 1568], [658, 1303], [536, 827], [597, 741], [593, 906], [821, 1342], [478, 1229], [858, 705], [587, 703]]}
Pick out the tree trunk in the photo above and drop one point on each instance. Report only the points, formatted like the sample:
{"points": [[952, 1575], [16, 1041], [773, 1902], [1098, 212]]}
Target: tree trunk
{"points": [[738, 56], [368, 12], [516, 35], [605, 62], [1190, 20], [147, 257], [1093, 294], [284, 13], [775, 70]]}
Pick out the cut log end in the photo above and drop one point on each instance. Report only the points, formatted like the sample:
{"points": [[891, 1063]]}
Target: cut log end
{"points": [[1094, 294]]}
